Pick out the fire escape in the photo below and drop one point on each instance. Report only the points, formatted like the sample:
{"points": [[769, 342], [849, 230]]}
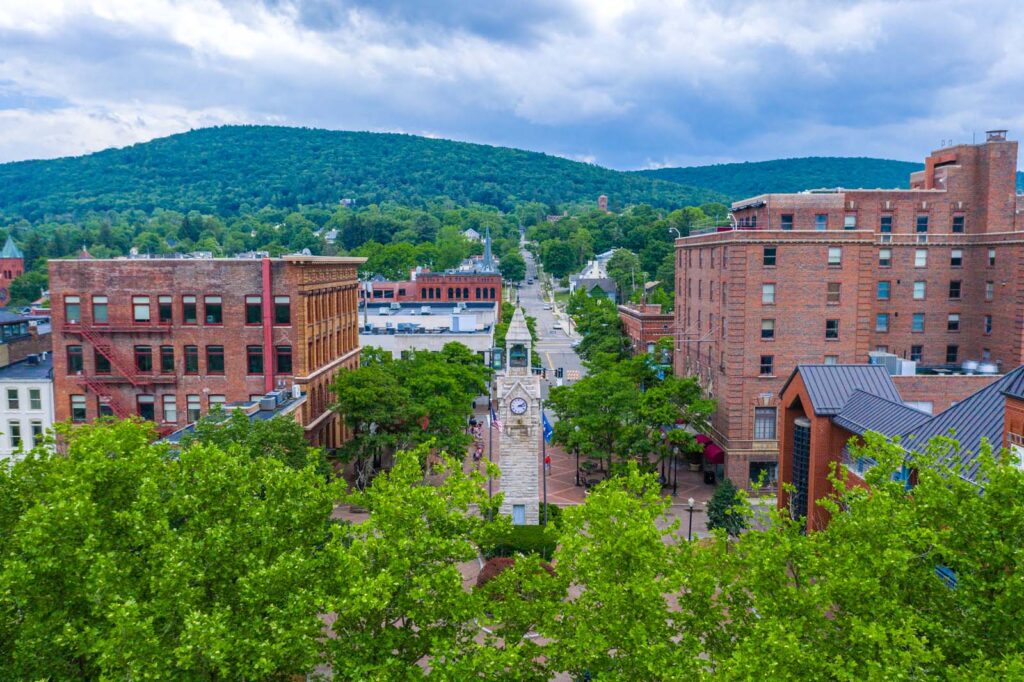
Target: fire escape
{"points": [[122, 370]]}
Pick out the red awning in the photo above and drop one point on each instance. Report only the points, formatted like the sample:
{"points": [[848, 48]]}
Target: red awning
{"points": [[702, 439], [714, 454]]}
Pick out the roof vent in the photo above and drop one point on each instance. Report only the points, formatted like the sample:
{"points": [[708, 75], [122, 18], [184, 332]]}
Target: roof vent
{"points": [[995, 136]]}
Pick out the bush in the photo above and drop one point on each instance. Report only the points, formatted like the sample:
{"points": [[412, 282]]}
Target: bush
{"points": [[523, 540], [554, 514]]}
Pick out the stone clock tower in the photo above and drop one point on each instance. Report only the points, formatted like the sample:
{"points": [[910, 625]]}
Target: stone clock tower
{"points": [[518, 396]]}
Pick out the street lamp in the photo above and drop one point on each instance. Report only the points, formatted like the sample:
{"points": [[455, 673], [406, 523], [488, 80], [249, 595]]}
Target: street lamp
{"points": [[678, 235], [576, 447], [689, 530]]}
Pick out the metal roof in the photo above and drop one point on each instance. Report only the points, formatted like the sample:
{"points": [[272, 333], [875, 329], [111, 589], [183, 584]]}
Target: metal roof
{"points": [[11, 250], [867, 412], [830, 386]]}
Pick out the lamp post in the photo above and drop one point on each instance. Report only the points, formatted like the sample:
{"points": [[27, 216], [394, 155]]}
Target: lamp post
{"points": [[576, 447], [689, 530], [678, 235]]}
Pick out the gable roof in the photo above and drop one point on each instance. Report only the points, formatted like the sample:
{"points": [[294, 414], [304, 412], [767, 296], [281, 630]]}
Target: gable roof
{"points": [[830, 386], [865, 412], [11, 250]]}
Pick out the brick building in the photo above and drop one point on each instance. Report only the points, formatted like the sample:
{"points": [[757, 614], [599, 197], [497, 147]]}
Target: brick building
{"points": [[644, 324], [168, 339], [933, 274], [12, 266]]}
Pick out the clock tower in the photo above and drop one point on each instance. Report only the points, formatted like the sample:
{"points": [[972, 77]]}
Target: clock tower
{"points": [[517, 391]]}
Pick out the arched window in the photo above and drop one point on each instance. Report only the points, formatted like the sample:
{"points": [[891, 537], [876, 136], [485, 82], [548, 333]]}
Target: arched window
{"points": [[450, 296], [492, 293], [478, 292], [465, 292]]}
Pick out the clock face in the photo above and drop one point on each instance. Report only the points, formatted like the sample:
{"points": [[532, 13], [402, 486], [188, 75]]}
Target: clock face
{"points": [[518, 406]]}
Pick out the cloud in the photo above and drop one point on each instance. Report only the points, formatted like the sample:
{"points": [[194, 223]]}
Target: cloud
{"points": [[626, 83]]}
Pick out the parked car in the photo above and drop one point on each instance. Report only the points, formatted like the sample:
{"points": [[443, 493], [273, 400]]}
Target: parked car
{"points": [[547, 307]]}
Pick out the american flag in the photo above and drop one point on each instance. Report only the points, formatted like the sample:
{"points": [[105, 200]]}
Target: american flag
{"points": [[495, 422]]}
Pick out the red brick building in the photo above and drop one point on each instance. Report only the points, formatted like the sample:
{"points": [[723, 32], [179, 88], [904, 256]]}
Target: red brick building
{"points": [[12, 266], [168, 339], [933, 274], [644, 324], [436, 287]]}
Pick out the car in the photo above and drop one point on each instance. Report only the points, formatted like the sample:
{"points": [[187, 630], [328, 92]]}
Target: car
{"points": [[547, 307], [529, 281]]}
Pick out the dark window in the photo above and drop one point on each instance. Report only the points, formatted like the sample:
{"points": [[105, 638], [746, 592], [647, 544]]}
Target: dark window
{"points": [[165, 307], [769, 255], [215, 359], [917, 322], [787, 221], [253, 310], [958, 224], [283, 359], [767, 365], [952, 353], [188, 310], [883, 290], [831, 329], [254, 359], [492, 293], [922, 224], [191, 359], [954, 289], [147, 407], [99, 310], [102, 362], [956, 258], [213, 310], [885, 225], [916, 352], [882, 322], [478, 293], [144, 359], [953, 322], [988, 324], [821, 221], [193, 409], [167, 359], [282, 310], [991, 257], [78, 408], [767, 329], [75, 364]]}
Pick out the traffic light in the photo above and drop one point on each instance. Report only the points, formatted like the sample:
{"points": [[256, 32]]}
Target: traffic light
{"points": [[544, 373], [559, 372]]}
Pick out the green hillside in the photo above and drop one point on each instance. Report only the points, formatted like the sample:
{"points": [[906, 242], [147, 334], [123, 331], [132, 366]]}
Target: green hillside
{"points": [[233, 169]]}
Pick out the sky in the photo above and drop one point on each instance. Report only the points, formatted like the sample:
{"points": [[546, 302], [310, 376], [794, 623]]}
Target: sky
{"points": [[625, 84]]}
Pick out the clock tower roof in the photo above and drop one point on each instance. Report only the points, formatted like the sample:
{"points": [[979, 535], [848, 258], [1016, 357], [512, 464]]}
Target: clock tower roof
{"points": [[518, 332]]}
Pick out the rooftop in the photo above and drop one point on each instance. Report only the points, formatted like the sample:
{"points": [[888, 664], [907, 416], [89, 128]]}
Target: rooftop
{"points": [[284, 404], [29, 369]]}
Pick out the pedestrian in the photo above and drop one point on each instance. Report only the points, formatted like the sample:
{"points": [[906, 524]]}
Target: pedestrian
{"points": [[547, 463]]}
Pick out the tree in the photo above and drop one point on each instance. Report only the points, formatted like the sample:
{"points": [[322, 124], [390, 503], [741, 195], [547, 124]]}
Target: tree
{"points": [[725, 509], [557, 257], [513, 267], [624, 268]]}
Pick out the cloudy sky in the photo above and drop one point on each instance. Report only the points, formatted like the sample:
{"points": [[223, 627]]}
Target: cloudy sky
{"points": [[622, 83]]}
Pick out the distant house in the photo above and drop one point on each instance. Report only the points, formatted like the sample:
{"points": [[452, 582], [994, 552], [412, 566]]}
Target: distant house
{"points": [[471, 235]]}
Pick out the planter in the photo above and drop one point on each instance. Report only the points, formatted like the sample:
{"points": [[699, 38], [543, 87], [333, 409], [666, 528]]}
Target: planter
{"points": [[694, 466]]}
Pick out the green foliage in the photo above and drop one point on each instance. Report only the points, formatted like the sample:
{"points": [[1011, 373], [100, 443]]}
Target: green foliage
{"points": [[513, 267], [537, 540], [624, 267], [725, 509], [597, 320]]}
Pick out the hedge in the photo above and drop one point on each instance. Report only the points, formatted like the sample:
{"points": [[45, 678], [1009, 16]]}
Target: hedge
{"points": [[523, 540]]}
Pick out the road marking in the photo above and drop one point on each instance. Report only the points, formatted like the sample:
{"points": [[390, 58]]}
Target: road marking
{"points": [[550, 364]]}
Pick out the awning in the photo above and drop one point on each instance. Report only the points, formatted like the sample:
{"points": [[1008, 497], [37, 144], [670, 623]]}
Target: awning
{"points": [[702, 439], [714, 454]]}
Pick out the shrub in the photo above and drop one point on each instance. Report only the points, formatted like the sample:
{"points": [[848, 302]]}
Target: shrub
{"points": [[554, 514], [523, 540]]}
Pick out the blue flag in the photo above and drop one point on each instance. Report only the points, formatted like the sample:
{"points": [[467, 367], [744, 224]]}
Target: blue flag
{"points": [[548, 429]]}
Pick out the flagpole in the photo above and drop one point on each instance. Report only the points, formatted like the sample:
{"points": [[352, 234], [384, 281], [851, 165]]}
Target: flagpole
{"points": [[490, 444], [544, 460]]}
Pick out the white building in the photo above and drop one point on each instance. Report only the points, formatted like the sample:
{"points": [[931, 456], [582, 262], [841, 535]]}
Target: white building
{"points": [[399, 327], [26, 404]]}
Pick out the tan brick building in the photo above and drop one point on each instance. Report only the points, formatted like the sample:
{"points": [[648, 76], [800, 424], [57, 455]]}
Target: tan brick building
{"points": [[932, 274], [169, 338]]}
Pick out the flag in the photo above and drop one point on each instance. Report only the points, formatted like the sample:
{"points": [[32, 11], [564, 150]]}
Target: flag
{"points": [[548, 429], [495, 422]]}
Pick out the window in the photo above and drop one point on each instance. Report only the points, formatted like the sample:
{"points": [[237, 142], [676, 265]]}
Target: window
{"points": [[883, 290], [215, 359], [283, 310], [885, 224], [213, 310], [958, 224], [37, 433], [821, 221], [102, 362], [144, 359], [768, 294], [283, 359], [919, 290], [921, 258], [75, 364], [917, 322], [991, 257], [833, 293], [767, 365], [764, 423], [14, 428], [952, 353], [165, 309], [882, 322], [12, 399], [254, 359], [767, 329], [988, 324], [922, 224], [850, 221], [954, 290], [188, 310], [167, 359], [78, 408], [72, 310], [953, 322], [989, 290], [191, 359], [956, 258], [916, 352], [831, 359], [769, 256], [35, 399], [140, 309], [831, 329], [217, 401], [884, 258], [835, 255], [170, 408], [147, 407], [253, 310], [787, 221], [193, 409], [99, 310]]}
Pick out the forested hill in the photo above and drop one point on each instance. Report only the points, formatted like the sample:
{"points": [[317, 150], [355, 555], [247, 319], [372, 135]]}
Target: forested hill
{"points": [[741, 180], [226, 170]]}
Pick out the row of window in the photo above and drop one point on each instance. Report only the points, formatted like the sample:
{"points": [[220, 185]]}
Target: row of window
{"points": [[35, 399], [766, 364], [770, 257], [457, 293], [143, 358], [146, 407], [17, 442], [213, 310], [885, 222], [883, 291], [882, 324], [768, 330]]}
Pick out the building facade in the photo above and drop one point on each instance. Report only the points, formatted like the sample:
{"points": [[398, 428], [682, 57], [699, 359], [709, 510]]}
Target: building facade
{"points": [[26, 404], [933, 274], [168, 339], [645, 324]]}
